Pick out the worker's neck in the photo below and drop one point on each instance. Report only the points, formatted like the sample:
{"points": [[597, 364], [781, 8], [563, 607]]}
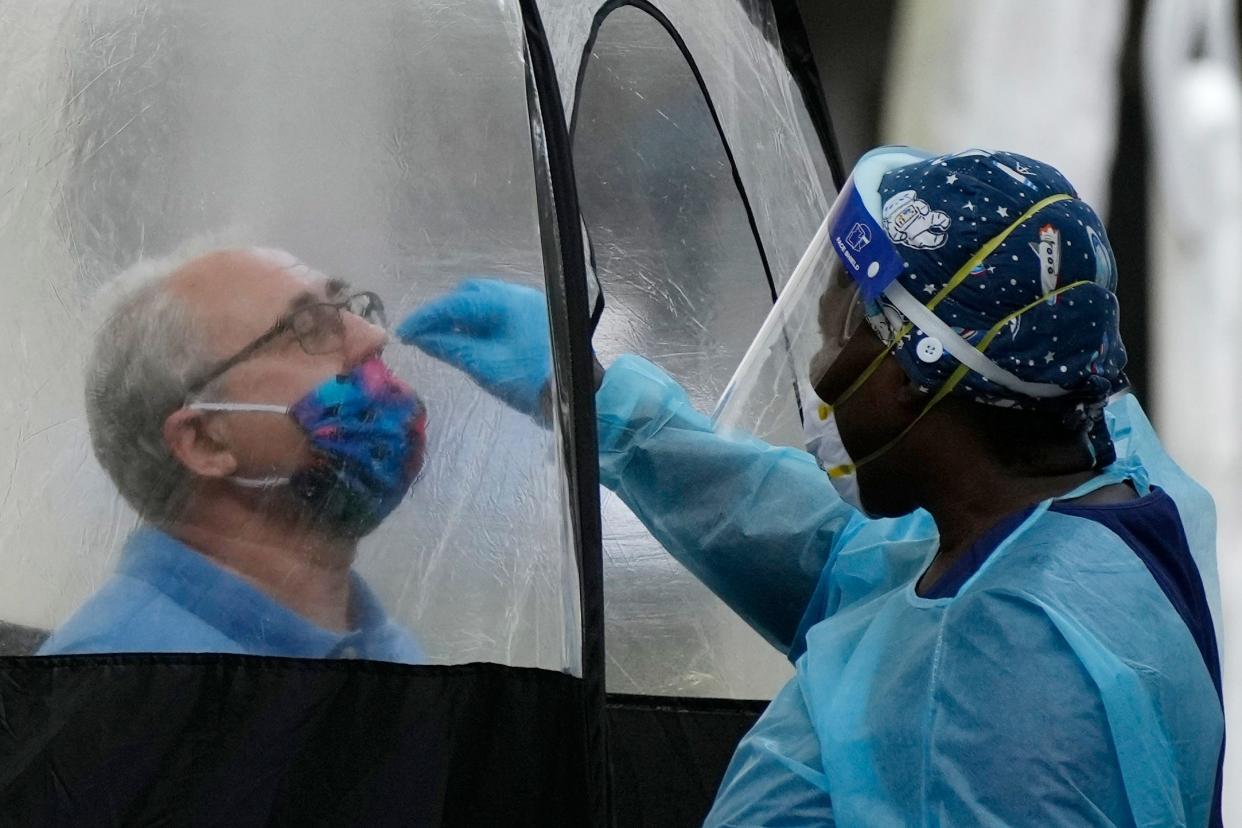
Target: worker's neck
{"points": [[967, 510], [973, 493], [300, 568]]}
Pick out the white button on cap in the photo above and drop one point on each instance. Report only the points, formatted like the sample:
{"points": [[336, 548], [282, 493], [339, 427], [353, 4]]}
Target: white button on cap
{"points": [[873, 270], [930, 349]]}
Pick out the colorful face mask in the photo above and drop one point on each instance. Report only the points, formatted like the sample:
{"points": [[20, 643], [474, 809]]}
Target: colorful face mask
{"points": [[367, 432]]}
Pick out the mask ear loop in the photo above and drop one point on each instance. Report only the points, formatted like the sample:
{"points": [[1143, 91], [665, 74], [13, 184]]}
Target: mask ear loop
{"points": [[224, 406], [266, 408]]}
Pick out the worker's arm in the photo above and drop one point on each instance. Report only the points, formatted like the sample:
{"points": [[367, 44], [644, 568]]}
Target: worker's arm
{"points": [[754, 522]]}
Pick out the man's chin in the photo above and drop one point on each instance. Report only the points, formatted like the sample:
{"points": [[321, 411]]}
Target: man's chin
{"points": [[344, 527]]}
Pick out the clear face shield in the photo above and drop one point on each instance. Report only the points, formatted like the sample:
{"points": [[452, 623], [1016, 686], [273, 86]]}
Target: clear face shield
{"points": [[835, 289], [849, 275], [839, 314]]}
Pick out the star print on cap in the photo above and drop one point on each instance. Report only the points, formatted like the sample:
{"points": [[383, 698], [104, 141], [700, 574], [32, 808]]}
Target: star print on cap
{"points": [[1050, 281]]}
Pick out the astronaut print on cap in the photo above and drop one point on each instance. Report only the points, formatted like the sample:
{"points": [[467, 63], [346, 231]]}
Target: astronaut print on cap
{"points": [[909, 220]]}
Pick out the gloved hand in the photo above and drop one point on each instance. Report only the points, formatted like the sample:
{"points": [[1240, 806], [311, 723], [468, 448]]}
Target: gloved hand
{"points": [[497, 333]]}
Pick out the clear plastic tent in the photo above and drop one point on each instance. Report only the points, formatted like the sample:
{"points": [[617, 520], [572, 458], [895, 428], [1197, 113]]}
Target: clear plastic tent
{"points": [[386, 144], [389, 146], [356, 140], [701, 183]]}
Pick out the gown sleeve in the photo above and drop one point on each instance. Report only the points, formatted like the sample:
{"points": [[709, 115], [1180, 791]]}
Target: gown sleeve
{"points": [[754, 522]]}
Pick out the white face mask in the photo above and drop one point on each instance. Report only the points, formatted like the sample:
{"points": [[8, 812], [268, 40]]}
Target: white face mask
{"points": [[823, 441]]}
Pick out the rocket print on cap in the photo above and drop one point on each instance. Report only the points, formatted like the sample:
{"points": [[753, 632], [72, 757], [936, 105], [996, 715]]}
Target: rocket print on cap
{"points": [[1048, 248]]}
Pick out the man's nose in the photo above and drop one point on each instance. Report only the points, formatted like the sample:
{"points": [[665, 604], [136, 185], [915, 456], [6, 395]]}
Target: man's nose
{"points": [[362, 339]]}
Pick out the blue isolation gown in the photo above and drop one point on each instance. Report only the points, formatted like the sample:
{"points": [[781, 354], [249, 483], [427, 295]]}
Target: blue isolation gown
{"points": [[1059, 686]]}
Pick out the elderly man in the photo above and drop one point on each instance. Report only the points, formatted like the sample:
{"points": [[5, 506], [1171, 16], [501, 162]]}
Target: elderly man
{"points": [[998, 598], [239, 402]]}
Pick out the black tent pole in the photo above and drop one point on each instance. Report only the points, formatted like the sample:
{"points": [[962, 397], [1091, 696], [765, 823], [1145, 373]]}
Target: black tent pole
{"points": [[801, 63], [570, 315], [662, 20]]}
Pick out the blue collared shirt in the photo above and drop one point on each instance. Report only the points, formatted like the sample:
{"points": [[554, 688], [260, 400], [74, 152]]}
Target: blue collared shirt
{"points": [[166, 597]]}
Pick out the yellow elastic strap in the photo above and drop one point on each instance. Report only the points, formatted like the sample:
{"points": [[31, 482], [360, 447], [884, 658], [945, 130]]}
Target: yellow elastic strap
{"points": [[961, 370], [982, 253], [962, 272], [999, 326], [848, 468], [866, 374], [990, 246], [954, 378]]}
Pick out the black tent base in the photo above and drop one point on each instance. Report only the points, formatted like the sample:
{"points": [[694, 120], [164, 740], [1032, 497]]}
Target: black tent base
{"points": [[669, 755], [241, 740], [244, 740]]}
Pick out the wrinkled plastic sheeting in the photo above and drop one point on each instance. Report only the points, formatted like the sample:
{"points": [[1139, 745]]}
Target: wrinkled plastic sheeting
{"points": [[387, 143], [685, 283], [756, 400], [737, 51]]}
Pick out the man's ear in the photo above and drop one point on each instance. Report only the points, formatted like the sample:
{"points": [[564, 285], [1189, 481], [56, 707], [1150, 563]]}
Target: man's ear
{"points": [[197, 445]]}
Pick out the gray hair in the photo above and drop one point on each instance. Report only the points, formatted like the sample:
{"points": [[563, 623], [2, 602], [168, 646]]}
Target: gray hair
{"points": [[148, 347]]}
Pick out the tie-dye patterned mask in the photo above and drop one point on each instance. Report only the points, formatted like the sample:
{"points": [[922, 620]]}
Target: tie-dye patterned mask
{"points": [[367, 431]]}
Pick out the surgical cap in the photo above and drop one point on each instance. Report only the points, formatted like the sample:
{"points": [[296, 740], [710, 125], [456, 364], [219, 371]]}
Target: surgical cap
{"points": [[1048, 284]]}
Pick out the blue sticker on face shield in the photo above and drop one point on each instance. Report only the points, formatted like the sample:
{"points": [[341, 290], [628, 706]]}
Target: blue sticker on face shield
{"points": [[868, 255]]}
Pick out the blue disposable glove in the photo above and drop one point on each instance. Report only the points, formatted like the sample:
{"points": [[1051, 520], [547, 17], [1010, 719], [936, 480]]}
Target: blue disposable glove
{"points": [[497, 333]]}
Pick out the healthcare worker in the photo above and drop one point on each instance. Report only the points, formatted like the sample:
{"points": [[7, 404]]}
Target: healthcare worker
{"points": [[996, 587]]}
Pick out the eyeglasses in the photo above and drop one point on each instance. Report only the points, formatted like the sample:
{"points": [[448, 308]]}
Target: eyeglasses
{"points": [[319, 329]]}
